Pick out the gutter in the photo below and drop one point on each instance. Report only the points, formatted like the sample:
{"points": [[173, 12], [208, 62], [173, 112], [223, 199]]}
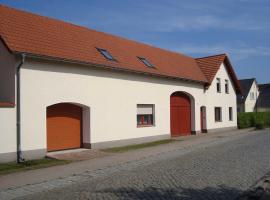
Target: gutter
{"points": [[70, 61], [18, 110]]}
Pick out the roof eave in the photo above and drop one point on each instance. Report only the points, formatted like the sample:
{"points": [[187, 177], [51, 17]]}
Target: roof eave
{"points": [[37, 56]]}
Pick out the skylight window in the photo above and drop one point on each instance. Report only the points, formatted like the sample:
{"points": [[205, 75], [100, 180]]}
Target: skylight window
{"points": [[106, 54], [146, 62]]}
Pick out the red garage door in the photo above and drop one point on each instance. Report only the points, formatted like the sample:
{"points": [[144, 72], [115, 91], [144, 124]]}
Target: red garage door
{"points": [[180, 114], [63, 126]]}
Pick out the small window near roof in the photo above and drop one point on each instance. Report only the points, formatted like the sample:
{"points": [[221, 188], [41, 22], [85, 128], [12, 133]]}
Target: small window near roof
{"points": [[146, 62], [106, 54], [227, 86], [218, 85]]}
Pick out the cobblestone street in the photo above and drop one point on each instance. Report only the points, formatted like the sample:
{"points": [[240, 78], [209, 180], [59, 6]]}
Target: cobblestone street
{"points": [[219, 171]]}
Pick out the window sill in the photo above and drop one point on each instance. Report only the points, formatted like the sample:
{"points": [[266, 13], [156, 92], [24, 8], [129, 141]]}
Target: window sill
{"points": [[7, 105], [218, 121], [141, 126]]}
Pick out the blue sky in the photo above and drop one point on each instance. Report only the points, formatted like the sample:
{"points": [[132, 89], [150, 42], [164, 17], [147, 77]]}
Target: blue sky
{"points": [[240, 28]]}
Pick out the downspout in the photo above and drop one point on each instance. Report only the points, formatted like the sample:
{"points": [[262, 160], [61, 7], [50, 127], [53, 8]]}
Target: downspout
{"points": [[18, 110]]}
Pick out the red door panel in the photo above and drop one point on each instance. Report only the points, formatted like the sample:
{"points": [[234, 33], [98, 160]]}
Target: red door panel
{"points": [[180, 115], [63, 127]]}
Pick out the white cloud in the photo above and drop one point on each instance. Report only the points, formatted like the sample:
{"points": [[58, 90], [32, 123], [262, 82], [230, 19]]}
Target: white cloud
{"points": [[238, 53], [203, 22]]}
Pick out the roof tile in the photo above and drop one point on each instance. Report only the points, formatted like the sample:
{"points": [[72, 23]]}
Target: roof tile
{"points": [[34, 34]]}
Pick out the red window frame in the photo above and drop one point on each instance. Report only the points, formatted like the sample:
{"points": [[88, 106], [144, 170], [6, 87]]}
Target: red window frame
{"points": [[145, 120]]}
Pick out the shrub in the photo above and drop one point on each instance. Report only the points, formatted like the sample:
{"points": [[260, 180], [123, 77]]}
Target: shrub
{"points": [[258, 120], [259, 125]]}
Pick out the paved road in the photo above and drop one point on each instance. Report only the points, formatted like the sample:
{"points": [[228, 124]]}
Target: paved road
{"points": [[220, 171]]}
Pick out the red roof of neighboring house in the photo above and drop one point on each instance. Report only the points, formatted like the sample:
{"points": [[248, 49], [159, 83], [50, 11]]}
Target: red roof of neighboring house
{"points": [[211, 64], [24, 32]]}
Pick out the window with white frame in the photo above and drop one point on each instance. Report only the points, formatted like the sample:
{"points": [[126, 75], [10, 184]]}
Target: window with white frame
{"points": [[218, 114], [218, 85], [145, 114]]}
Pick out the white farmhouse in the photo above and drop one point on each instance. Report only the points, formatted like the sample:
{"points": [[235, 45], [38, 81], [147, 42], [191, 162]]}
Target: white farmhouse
{"points": [[63, 86]]}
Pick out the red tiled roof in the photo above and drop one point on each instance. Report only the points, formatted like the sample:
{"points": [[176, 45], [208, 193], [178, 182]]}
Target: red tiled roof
{"points": [[211, 64], [33, 34]]}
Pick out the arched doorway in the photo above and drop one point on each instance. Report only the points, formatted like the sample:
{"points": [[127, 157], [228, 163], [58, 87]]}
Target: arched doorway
{"points": [[64, 126], [180, 104]]}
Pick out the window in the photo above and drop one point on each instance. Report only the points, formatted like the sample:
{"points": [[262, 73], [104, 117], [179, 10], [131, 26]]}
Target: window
{"points": [[218, 85], [106, 54], [227, 86], [230, 114], [252, 96], [145, 115], [146, 62], [218, 114]]}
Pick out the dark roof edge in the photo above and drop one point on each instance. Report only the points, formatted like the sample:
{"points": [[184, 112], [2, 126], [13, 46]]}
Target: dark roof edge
{"points": [[233, 75], [222, 54]]}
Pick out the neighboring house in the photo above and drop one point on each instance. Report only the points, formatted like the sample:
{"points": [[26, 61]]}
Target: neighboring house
{"points": [[247, 101], [263, 102], [64, 86]]}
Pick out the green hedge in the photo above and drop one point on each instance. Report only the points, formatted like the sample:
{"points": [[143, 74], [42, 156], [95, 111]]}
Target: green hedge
{"points": [[253, 119]]}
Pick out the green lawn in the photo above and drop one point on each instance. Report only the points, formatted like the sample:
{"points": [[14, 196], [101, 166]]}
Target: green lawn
{"points": [[11, 167], [137, 146]]}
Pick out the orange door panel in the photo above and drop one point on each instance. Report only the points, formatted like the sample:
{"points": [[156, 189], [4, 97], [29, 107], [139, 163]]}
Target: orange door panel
{"points": [[64, 127]]}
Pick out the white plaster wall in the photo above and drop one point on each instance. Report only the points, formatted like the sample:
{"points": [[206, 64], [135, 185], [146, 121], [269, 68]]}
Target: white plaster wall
{"points": [[224, 100], [7, 94], [7, 130], [112, 98], [250, 104]]}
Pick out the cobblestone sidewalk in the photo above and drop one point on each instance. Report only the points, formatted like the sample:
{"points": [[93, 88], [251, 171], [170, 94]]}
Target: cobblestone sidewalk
{"points": [[194, 168]]}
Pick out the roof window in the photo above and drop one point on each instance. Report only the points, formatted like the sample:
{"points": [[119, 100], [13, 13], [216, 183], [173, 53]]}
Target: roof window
{"points": [[146, 62], [106, 54]]}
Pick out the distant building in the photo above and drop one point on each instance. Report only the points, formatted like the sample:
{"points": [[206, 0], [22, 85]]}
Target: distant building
{"points": [[246, 102], [263, 103]]}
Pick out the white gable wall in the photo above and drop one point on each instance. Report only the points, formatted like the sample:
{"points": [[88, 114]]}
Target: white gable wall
{"points": [[251, 103], [215, 99]]}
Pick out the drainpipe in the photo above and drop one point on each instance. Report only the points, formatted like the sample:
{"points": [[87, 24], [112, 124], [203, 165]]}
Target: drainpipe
{"points": [[18, 110]]}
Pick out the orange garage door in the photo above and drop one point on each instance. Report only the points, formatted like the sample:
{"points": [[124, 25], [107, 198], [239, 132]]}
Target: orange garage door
{"points": [[64, 122]]}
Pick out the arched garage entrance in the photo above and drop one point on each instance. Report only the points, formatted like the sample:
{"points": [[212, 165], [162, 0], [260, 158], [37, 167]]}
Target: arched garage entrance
{"points": [[180, 104], [64, 126]]}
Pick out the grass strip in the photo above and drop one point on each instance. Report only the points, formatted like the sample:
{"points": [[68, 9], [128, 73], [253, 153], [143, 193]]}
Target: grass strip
{"points": [[12, 167], [137, 146]]}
